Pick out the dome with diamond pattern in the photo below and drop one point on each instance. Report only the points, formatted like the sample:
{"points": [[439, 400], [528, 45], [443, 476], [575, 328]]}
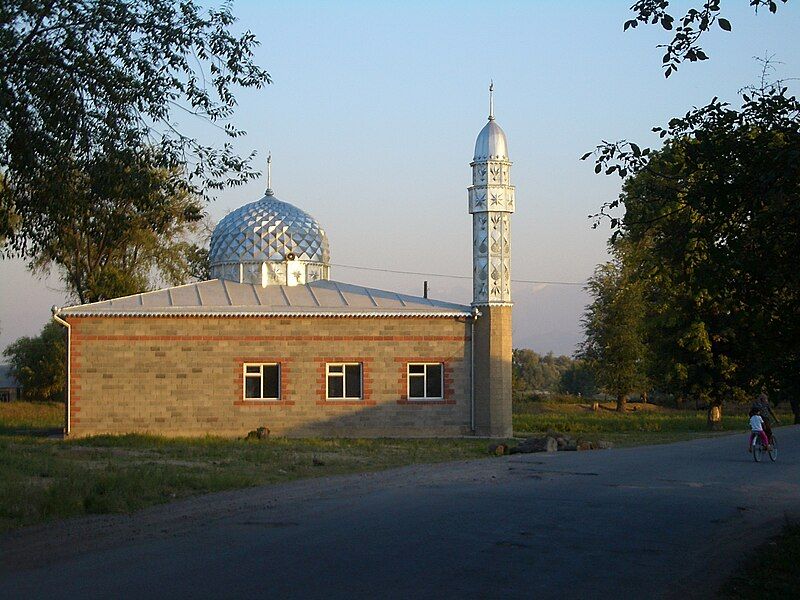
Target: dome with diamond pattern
{"points": [[269, 242]]}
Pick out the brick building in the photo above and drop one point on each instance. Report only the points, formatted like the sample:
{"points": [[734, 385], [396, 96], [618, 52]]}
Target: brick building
{"points": [[271, 341]]}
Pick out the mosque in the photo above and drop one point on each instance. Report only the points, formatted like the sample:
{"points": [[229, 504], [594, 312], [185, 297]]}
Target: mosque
{"points": [[271, 341]]}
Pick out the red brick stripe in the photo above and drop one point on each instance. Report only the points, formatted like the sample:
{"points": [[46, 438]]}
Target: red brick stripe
{"points": [[271, 338]]}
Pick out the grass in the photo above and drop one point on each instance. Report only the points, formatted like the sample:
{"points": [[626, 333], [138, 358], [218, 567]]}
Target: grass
{"points": [[43, 479], [641, 424], [30, 416], [771, 572]]}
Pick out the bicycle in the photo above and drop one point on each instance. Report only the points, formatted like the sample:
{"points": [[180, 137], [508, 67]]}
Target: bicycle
{"points": [[757, 447]]}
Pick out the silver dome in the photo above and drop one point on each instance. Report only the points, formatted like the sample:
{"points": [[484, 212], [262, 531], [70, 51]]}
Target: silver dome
{"points": [[269, 241], [491, 143]]}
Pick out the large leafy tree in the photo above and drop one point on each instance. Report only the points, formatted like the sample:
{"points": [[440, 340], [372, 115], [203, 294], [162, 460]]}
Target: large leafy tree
{"points": [[82, 79], [127, 228], [720, 208], [614, 346]]}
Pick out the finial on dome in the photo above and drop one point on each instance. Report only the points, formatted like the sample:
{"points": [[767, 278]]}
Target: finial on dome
{"points": [[491, 100], [269, 191]]}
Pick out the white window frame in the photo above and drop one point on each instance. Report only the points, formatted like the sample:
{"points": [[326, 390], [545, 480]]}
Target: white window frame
{"points": [[260, 375], [344, 365], [424, 375]]}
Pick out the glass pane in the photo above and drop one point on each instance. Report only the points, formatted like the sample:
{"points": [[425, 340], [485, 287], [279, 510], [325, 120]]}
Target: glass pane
{"points": [[416, 386], [335, 368], [272, 381], [416, 368], [252, 387], [434, 383], [352, 375], [253, 369], [335, 386]]}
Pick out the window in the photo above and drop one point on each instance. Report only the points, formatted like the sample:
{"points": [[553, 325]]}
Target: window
{"points": [[344, 381], [262, 382], [425, 381]]}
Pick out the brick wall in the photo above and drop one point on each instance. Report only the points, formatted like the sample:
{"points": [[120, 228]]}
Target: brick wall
{"points": [[184, 376]]}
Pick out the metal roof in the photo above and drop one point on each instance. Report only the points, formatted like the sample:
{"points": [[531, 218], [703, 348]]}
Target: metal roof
{"points": [[491, 143], [222, 298]]}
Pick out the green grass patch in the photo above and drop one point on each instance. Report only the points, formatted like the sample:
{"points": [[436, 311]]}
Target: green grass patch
{"points": [[43, 479], [603, 422], [771, 571]]}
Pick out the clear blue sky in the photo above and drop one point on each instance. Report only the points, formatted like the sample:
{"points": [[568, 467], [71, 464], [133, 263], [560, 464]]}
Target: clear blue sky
{"points": [[374, 111]]}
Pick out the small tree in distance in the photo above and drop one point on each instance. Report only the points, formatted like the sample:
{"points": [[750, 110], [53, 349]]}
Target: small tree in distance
{"points": [[614, 348]]}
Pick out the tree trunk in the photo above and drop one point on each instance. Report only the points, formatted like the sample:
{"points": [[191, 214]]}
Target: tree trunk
{"points": [[795, 402], [715, 415], [621, 399], [680, 399], [644, 397]]}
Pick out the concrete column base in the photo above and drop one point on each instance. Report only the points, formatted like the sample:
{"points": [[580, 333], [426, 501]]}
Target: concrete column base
{"points": [[493, 372]]}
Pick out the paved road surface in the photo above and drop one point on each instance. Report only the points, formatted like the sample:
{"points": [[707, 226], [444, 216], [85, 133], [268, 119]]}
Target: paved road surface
{"points": [[659, 521]]}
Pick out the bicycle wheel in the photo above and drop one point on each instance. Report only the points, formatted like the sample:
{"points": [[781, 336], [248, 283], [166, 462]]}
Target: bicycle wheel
{"points": [[773, 454], [758, 448]]}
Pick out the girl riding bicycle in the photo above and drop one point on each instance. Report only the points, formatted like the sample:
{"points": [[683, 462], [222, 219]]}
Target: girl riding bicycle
{"points": [[756, 429]]}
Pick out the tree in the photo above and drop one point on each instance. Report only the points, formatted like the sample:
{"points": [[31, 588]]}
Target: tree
{"points": [[720, 206], [39, 364], [533, 372], [614, 347], [125, 228], [578, 380], [697, 21], [86, 78]]}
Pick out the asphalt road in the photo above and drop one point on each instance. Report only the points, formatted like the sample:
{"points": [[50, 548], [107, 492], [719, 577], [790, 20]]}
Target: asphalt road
{"points": [[658, 521]]}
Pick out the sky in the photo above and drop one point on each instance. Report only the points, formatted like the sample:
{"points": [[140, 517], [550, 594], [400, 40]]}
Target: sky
{"points": [[372, 118]]}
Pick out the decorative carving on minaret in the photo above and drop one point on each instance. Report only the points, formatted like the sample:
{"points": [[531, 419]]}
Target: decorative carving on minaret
{"points": [[491, 202]]}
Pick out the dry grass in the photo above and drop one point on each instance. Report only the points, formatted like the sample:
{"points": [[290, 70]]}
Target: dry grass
{"points": [[31, 416]]}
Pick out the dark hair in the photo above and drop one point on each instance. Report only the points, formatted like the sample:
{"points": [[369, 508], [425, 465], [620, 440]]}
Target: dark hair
{"points": [[754, 411]]}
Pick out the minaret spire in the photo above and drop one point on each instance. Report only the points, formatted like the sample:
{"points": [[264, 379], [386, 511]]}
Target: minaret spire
{"points": [[491, 100], [269, 174]]}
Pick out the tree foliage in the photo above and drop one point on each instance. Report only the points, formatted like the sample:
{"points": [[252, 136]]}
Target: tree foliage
{"points": [[82, 79], [578, 380], [697, 21], [533, 372], [614, 347], [718, 211], [39, 363], [126, 229]]}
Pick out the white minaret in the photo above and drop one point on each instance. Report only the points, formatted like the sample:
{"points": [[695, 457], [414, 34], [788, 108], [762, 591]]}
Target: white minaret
{"points": [[491, 202]]}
